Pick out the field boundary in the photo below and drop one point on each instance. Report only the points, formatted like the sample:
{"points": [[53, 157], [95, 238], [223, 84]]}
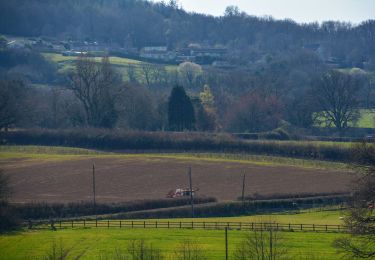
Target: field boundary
{"points": [[205, 225]]}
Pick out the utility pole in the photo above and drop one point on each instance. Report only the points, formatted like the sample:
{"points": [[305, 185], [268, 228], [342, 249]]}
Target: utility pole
{"points": [[243, 188], [191, 194], [93, 188], [226, 243]]}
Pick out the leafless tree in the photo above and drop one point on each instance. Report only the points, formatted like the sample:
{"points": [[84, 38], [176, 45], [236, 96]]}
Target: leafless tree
{"points": [[140, 250], [336, 94], [360, 219], [94, 84], [147, 71], [262, 243], [189, 250], [11, 100]]}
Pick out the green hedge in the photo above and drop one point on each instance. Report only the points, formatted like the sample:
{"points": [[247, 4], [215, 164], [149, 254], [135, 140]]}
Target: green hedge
{"points": [[171, 141]]}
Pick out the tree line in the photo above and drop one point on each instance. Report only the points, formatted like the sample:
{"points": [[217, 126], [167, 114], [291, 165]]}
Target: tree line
{"points": [[93, 94]]}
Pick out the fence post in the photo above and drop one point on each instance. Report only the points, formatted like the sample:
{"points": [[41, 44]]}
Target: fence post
{"points": [[326, 228], [132, 224], [168, 224], [180, 224], [108, 223], [120, 224], [144, 224], [313, 227], [192, 225], [84, 223], [156, 224], [96, 222], [301, 226], [252, 225], [60, 223], [72, 223], [289, 226]]}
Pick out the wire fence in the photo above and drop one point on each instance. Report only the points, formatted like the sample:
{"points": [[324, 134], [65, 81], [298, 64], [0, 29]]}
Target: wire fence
{"points": [[245, 226]]}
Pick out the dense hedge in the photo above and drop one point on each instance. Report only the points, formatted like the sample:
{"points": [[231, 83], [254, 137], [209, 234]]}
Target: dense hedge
{"points": [[169, 141], [230, 209], [304, 195], [71, 210]]}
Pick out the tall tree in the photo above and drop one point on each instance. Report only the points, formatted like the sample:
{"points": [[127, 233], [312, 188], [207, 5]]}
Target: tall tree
{"points": [[11, 102], [360, 219], [180, 110], [95, 85], [337, 94]]}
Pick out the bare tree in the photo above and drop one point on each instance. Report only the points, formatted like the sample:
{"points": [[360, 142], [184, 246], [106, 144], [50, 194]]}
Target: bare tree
{"points": [[336, 94], [189, 250], [94, 84], [11, 102], [262, 243], [360, 219], [147, 71], [189, 72], [140, 250]]}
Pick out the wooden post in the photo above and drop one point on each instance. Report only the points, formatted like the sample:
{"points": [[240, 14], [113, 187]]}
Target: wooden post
{"points": [[120, 224], [94, 189], [191, 194], [226, 243]]}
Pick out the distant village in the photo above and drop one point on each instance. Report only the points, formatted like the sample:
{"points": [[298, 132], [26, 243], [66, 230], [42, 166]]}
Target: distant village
{"points": [[203, 55]]}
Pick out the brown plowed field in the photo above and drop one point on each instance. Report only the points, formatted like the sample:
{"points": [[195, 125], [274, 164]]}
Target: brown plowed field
{"points": [[126, 179]]}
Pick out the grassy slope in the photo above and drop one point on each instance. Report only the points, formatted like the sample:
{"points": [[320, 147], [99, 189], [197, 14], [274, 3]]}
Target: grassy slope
{"points": [[95, 242], [68, 153], [305, 217], [67, 62], [366, 119]]}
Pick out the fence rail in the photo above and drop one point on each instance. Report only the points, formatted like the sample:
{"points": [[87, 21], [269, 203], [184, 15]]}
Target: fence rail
{"points": [[247, 226]]}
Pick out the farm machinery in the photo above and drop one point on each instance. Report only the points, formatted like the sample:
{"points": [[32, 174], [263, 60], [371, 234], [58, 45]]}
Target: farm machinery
{"points": [[180, 192]]}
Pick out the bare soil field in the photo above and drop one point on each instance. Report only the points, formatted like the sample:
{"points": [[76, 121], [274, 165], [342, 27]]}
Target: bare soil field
{"points": [[127, 179]]}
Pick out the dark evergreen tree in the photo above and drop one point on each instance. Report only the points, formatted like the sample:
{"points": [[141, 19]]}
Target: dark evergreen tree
{"points": [[180, 110]]}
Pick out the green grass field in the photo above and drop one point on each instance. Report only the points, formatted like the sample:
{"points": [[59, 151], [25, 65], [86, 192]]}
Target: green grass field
{"points": [[91, 243], [366, 119], [66, 63], [326, 217], [52, 153]]}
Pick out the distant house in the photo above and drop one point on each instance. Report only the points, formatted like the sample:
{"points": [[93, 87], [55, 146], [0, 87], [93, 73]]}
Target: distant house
{"points": [[209, 52], [157, 53]]}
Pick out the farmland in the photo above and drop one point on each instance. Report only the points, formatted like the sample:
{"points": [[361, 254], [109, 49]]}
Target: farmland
{"points": [[39, 174]]}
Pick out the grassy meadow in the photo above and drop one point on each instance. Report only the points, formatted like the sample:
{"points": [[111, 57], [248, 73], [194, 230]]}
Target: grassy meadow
{"points": [[53, 153], [92, 243], [66, 63]]}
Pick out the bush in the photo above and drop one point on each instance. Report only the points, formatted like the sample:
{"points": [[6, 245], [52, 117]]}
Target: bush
{"points": [[230, 209], [60, 210]]}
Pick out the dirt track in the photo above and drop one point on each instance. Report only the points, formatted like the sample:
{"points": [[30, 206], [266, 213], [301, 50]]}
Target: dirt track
{"points": [[146, 178]]}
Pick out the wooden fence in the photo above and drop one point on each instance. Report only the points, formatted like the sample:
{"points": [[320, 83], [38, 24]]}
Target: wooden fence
{"points": [[186, 225]]}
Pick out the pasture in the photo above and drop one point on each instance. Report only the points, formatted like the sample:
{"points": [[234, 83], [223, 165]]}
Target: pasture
{"points": [[66, 63], [92, 243]]}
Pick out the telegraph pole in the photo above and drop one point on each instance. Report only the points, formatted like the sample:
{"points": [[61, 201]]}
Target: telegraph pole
{"points": [[93, 188], [243, 188], [191, 194]]}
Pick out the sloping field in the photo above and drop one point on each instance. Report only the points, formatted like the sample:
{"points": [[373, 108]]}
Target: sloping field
{"points": [[126, 178]]}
